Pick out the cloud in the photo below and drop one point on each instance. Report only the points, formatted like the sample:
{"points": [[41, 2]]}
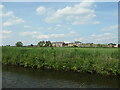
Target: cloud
{"points": [[101, 35], [27, 26], [58, 25], [39, 35], [41, 10], [72, 33], [5, 34], [13, 21], [7, 23], [11, 18], [79, 39], [105, 37], [49, 28], [1, 7], [78, 14], [47, 36], [29, 33], [98, 38], [110, 28], [7, 14], [57, 35], [5, 37], [40, 28], [6, 31]]}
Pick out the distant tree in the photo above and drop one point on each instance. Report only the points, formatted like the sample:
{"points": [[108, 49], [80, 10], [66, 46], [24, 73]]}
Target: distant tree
{"points": [[91, 44], [65, 44], [31, 45], [41, 44], [48, 44], [78, 42], [19, 44], [98, 45], [75, 46], [7, 45], [111, 44]]}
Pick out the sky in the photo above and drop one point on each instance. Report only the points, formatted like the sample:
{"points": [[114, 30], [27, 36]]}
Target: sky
{"points": [[31, 22]]}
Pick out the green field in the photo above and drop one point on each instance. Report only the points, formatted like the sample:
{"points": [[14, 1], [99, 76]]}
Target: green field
{"points": [[92, 60]]}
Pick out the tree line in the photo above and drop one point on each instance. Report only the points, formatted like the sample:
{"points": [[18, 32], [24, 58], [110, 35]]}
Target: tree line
{"points": [[40, 44], [49, 44]]}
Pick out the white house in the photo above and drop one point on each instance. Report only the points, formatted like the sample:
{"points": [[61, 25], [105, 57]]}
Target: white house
{"points": [[116, 45]]}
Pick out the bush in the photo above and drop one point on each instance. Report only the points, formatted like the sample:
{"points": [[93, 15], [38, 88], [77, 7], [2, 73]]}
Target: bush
{"points": [[19, 44]]}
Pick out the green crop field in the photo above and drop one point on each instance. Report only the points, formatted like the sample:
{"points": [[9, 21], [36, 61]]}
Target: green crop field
{"points": [[92, 60]]}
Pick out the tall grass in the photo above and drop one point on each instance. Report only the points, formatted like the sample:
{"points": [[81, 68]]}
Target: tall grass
{"points": [[92, 60]]}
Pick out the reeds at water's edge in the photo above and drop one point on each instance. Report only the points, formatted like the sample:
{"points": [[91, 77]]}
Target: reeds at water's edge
{"points": [[92, 60]]}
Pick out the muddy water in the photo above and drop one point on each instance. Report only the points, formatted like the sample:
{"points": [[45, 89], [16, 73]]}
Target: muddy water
{"points": [[20, 77]]}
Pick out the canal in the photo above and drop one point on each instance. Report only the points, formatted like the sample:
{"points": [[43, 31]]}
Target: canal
{"points": [[20, 77]]}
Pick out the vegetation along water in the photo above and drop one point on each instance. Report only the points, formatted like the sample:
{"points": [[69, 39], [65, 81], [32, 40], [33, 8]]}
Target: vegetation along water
{"points": [[20, 77], [91, 60]]}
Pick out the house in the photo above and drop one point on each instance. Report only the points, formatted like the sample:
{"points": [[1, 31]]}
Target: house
{"points": [[65, 44], [117, 45], [57, 44], [111, 45], [72, 45], [87, 45], [93, 45]]}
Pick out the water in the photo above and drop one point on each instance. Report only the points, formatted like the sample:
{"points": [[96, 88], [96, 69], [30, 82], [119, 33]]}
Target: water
{"points": [[20, 77]]}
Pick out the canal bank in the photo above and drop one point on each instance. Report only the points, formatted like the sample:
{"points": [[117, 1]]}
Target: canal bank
{"points": [[20, 77], [91, 60]]}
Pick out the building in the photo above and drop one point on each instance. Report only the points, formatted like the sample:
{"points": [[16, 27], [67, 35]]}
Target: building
{"points": [[111, 45], [72, 45], [86, 45], [57, 44], [116, 45]]}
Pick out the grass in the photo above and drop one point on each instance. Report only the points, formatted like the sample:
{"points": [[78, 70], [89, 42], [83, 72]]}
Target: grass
{"points": [[92, 60]]}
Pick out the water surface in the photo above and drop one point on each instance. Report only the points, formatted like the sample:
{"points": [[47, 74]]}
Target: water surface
{"points": [[20, 77]]}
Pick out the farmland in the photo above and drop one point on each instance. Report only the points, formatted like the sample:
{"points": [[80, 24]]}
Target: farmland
{"points": [[91, 60]]}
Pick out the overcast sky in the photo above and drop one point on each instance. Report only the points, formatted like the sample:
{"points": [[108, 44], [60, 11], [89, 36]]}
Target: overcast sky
{"points": [[30, 22]]}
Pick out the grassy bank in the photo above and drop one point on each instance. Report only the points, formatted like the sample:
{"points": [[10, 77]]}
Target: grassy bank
{"points": [[93, 60]]}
